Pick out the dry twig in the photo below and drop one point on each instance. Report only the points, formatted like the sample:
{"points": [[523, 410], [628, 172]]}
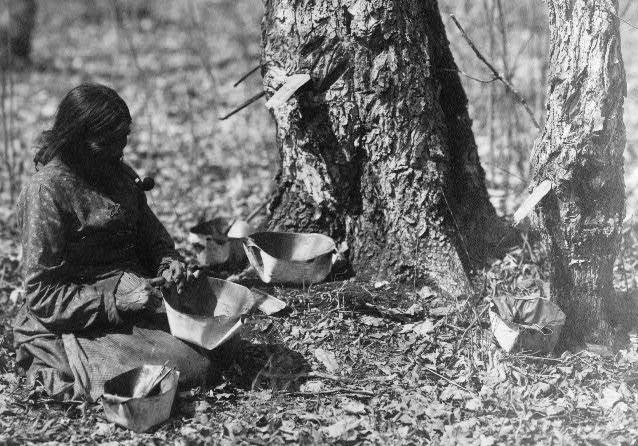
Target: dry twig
{"points": [[445, 378], [243, 105], [495, 72], [245, 76], [203, 50], [141, 72], [332, 392], [319, 375]]}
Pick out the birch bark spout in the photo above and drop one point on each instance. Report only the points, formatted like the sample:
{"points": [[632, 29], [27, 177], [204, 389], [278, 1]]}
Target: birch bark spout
{"points": [[581, 152]]}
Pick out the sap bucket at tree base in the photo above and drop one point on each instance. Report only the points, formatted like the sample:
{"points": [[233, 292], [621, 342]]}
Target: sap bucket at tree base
{"points": [[526, 324], [282, 257]]}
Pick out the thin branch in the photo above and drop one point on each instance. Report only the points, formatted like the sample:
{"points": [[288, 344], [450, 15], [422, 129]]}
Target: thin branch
{"points": [[503, 31], [246, 76], [476, 320], [522, 50], [127, 36], [626, 22], [505, 171], [5, 122], [320, 375], [535, 358], [456, 70], [626, 8], [332, 392], [5, 125], [119, 19], [258, 209], [243, 105], [13, 186], [488, 6], [203, 50], [495, 72], [619, 17], [445, 378]]}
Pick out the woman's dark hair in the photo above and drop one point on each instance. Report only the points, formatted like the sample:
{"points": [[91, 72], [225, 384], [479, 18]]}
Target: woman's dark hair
{"points": [[89, 116]]}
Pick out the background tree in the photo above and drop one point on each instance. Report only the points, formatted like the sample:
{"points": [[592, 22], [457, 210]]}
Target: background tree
{"points": [[581, 152], [378, 150], [17, 20]]}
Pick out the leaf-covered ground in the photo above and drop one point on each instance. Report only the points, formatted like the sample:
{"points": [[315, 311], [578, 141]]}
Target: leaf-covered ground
{"points": [[349, 362]]}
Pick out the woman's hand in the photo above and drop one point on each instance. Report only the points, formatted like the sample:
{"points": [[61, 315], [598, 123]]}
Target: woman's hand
{"points": [[179, 274], [144, 297]]}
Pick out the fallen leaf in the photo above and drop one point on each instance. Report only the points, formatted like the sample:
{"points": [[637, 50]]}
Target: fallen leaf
{"points": [[414, 310], [311, 386], [372, 321], [16, 296], [424, 328], [407, 328], [103, 429], [426, 292], [453, 393], [598, 349], [188, 430], [264, 395], [473, 404], [202, 406], [328, 359], [441, 311], [487, 440], [341, 427], [354, 407], [610, 397]]}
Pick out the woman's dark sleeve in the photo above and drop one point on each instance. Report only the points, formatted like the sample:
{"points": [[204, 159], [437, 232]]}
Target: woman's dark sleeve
{"points": [[51, 298], [155, 243]]}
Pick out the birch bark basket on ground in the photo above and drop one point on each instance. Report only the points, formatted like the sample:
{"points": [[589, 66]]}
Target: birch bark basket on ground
{"points": [[581, 152], [377, 149]]}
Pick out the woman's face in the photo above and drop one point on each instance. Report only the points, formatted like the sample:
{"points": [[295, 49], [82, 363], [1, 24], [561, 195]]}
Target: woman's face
{"points": [[114, 149], [110, 150]]}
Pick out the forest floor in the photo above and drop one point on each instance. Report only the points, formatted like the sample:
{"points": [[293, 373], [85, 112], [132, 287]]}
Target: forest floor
{"points": [[348, 362]]}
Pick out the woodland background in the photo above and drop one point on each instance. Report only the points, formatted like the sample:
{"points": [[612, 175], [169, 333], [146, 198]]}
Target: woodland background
{"points": [[404, 365]]}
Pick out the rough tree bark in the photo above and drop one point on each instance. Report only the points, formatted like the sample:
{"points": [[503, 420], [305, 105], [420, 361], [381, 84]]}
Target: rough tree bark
{"points": [[581, 152], [17, 20], [377, 150]]}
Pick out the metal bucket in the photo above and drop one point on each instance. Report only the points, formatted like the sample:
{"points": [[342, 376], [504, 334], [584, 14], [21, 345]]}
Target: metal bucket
{"points": [[213, 246], [142, 413], [289, 257], [210, 311]]}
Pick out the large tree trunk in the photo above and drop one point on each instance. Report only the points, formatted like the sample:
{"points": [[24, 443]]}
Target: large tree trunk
{"points": [[17, 20], [378, 150], [581, 152]]}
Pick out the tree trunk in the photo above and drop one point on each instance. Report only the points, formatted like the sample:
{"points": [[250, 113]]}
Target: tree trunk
{"points": [[16, 27], [581, 152], [377, 150]]}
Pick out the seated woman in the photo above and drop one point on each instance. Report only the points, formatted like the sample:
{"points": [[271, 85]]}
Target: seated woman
{"points": [[91, 248]]}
